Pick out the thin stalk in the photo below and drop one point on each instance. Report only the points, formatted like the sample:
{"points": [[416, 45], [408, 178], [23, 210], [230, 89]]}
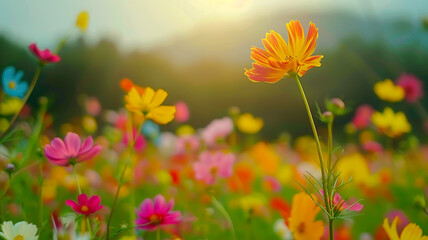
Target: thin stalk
{"points": [[88, 222], [122, 175], [330, 227], [27, 95], [41, 197], [223, 211], [158, 234], [77, 180], [315, 133]]}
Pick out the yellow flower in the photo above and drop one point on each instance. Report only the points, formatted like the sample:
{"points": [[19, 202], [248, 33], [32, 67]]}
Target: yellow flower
{"points": [[390, 123], [148, 105], [302, 216], [388, 91], [410, 232], [11, 106], [354, 165], [89, 124], [247, 123], [82, 21]]}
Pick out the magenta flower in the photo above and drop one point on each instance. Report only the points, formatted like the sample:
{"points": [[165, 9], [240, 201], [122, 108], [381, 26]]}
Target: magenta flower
{"points": [[213, 165], [362, 116], [71, 151], [182, 113], [140, 142], [217, 129], [84, 205], [342, 204], [152, 214], [45, 56], [372, 147], [413, 87]]}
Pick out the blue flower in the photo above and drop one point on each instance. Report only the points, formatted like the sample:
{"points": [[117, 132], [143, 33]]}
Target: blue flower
{"points": [[150, 129], [12, 84]]}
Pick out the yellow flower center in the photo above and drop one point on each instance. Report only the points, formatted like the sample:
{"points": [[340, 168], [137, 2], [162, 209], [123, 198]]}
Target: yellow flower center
{"points": [[19, 237], [12, 84], [84, 208]]}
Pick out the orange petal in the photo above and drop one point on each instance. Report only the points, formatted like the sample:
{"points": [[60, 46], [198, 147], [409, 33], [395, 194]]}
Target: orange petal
{"points": [[275, 45]]}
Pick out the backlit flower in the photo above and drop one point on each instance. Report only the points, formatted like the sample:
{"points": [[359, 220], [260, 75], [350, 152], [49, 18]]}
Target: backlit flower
{"points": [[84, 205], [45, 56], [217, 130], [70, 151], [155, 213], [338, 202], [12, 84], [362, 116], [410, 232], [82, 21], [301, 221], [126, 84], [281, 59], [247, 123], [18, 231], [386, 90], [213, 165], [148, 105], [413, 87], [390, 123]]}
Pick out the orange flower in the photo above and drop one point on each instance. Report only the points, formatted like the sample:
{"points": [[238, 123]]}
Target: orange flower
{"points": [[126, 84], [281, 60]]}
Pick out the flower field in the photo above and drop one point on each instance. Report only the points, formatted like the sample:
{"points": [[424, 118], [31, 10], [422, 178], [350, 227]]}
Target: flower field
{"points": [[144, 171]]}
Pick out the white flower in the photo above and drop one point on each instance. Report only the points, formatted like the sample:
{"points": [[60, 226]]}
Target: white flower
{"points": [[282, 230], [19, 231]]}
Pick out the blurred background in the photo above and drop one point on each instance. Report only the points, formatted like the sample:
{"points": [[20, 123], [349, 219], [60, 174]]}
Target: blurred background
{"points": [[197, 50]]}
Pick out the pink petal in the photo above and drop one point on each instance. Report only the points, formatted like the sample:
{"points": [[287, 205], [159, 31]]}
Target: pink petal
{"points": [[356, 207], [53, 154], [146, 208], [72, 204], [72, 143], [86, 146], [337, 198], [89, 154], [82, 199], [59, 146], [159, 203], [60, 162], [94, 201]]}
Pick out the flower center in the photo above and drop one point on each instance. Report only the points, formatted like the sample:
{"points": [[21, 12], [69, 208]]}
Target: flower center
{"points": [[214, 170], [12, 84], [155, 219], [19, 237], [84, 208], [301, 227]]}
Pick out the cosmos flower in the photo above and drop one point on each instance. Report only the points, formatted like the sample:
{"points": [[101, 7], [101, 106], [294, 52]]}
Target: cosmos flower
{"points": [[218, 129], [45, 56], [338, 202], [126, 84], [281, 59], [82, 21], [155, 213], [247, 123], [410, 232], [12, 84], [301, 221], [182, 114], [386, 90], [213, 165], [362, 116], [390, 123], [413, 87], [84, 205], [19, 231], [148, 105], [70, 151]]}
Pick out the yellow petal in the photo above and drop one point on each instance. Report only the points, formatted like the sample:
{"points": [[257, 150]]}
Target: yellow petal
{"points": [[411, 232], [147, 96], [162, 114], [82, 21], [158, 99], [391, 231]]}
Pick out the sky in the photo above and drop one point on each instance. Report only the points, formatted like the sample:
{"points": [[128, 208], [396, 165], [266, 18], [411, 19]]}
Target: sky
{"points": [[144, 24]]}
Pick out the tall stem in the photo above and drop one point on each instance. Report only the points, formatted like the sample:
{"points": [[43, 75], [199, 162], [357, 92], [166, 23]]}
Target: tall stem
{"points": [[224, 212], [158, 234], [317, 140], [122, 175], [330, 227], [77, 180]]}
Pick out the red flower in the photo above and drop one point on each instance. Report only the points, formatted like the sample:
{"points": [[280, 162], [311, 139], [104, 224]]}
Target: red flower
{"points": [[46, 56]]}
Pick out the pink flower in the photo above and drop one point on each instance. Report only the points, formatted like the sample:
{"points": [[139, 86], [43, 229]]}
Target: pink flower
{"points": [[217, 129], [372, 147], [93, 106], [44, 55], [140, 142], [84, 205], [187, 143], [413, 87], [181, 112], [71, 151], [213, 165], [403, 220], [272, 183], [152, 214], [339, 202], [362, 116]]}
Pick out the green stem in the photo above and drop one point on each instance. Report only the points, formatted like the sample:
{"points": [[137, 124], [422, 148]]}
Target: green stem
{"points": [[76, 179], [330, 227], [317, 140], [88, 222], [223, 211], [122, 175], [158, 234], [41, 198], [27, 95]]}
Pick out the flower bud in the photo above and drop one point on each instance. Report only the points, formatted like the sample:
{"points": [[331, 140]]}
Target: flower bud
{"points": [[10, 168], [420, 201], [336, 106], [327, 117]]}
